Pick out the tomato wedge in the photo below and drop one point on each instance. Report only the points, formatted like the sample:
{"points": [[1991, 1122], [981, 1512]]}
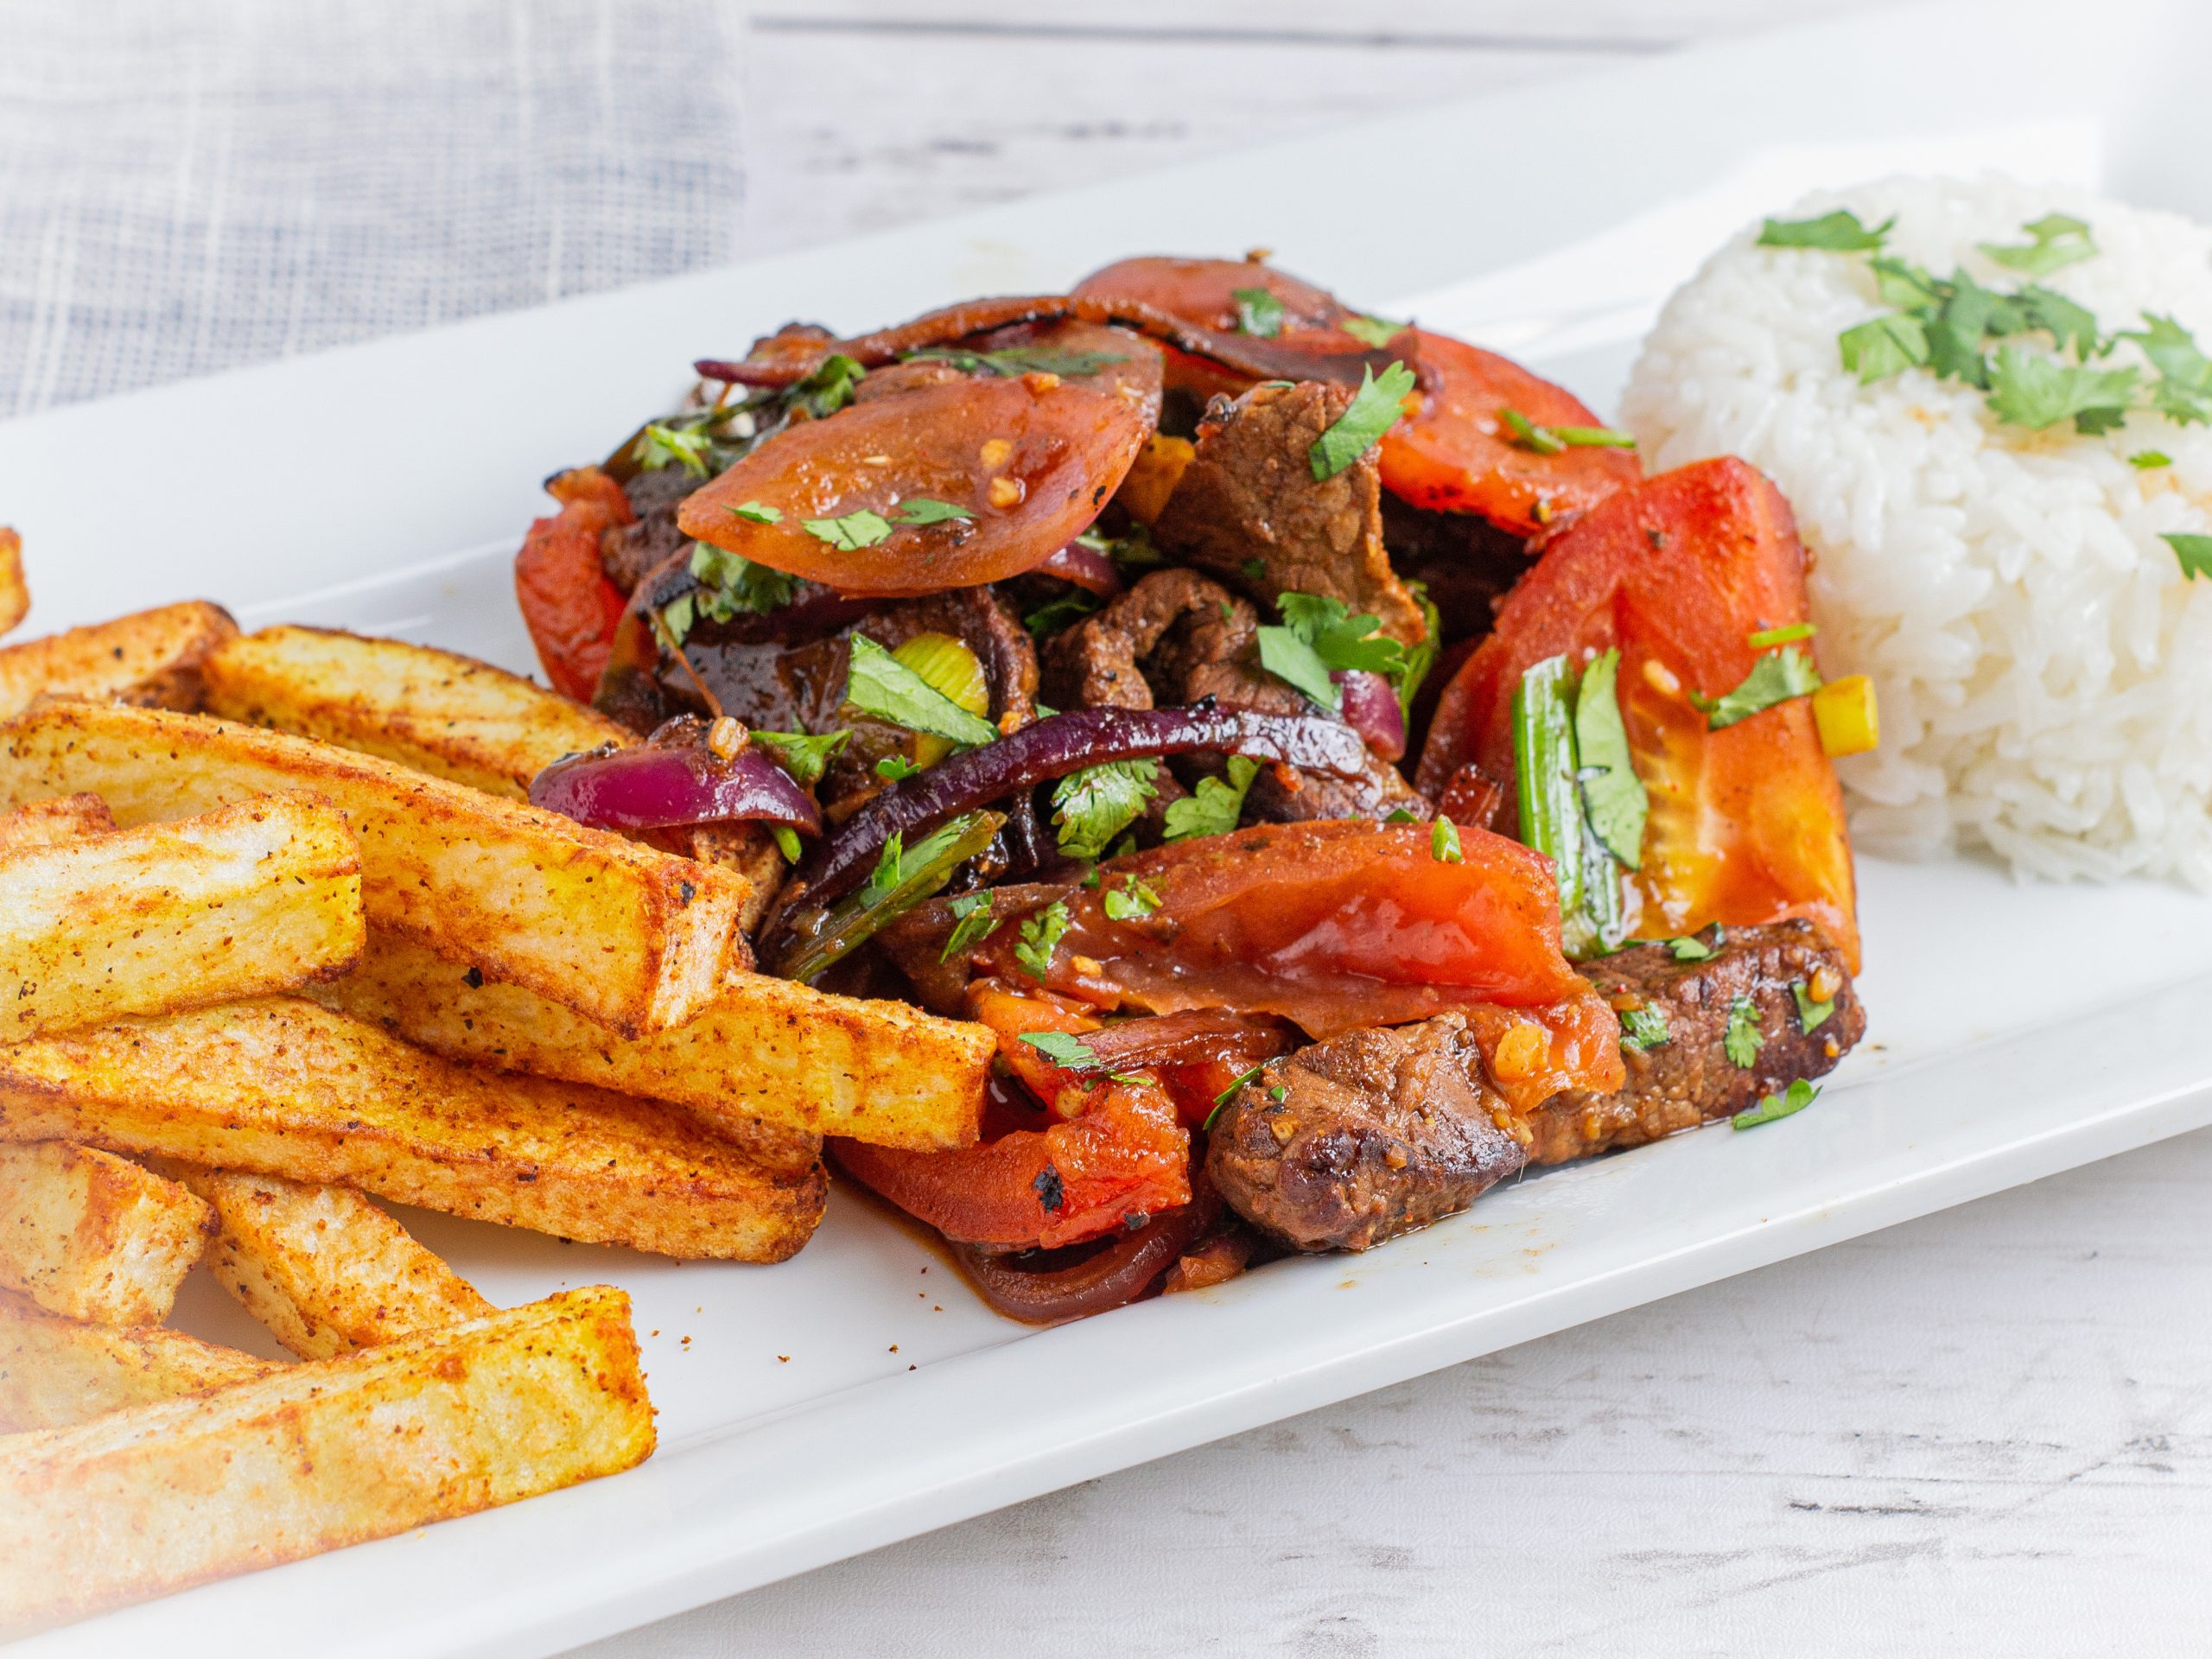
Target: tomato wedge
{"points": [[1028, 461], [570, 607], [1117, 1151], [1746, 823], [1204, 291]]}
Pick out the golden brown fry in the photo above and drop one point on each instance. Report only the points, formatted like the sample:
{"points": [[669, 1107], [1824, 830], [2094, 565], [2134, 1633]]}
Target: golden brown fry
{"points": [[95, 1236], [15, 597], [449, 715], [57, 1371], [765, 1051], [282, 1087], [325, 1269], [148, 1501], [55, 823], [263, 896], [151, 657], [630, 938]]}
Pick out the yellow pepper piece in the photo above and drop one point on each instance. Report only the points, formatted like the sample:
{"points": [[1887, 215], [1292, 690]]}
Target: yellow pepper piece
{"points": [[1845, 711], [949, 668], [1152, 477]]}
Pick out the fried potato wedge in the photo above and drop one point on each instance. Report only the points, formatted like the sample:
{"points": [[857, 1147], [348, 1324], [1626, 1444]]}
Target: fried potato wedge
{"points": [[95, 1236], [55, 823], [325, 1269], [446, 715], [15, 596], [279, 1086], [632, 939], [764, 1051], [263, 896], [309, 1458], [149, 658], [55, 1371]]}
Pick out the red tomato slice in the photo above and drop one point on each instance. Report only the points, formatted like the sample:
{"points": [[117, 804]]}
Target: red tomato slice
{"points": [[1204, 291], [567, 604], [1454, 454], [1031, 460], [1746, 823]]}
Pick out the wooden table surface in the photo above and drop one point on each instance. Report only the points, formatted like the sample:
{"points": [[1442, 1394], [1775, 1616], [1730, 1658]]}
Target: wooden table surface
{"points": [[1990, 1429]]}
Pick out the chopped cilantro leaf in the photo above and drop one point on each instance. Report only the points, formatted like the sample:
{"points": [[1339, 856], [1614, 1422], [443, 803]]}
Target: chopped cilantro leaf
{"points": [[805, 758], [2143, 460], [730, 583], [1613, 797], [1020, 359], [2195, 553], [1258, 312], [1041, 937], [1131, 901], [973, 923], [687, 446], [1063, 1048], [887, 873], [896, 769], [2057, 242], [1051, 1193], [755, 513], [1886, 345], [1907, 287], [1214, 806], [676, 619], [1788, 634], [1742, 1041], [1062, 612], [1399, 815], [1318, 634], [1838, 232], [1795, 1098], [1230, 1093], [1377, 332], [851, 532], [1775, 678], [1811, 1014], [923, 510], [1444, 843], [2069, 325], [878, 683], [1375, 409], [829, 389], [1097, 803], [2027, 389], [2183, 394], [1644, 1027], [1284, 654], [1690, 948]]}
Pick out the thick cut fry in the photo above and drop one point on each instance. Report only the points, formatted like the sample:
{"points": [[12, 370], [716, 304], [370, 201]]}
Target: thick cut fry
{"points": [[282, 1087], [765, 1051], [55, 1371], [15, 597], [95, 1236], [149, 658], [449, 715], [630, 937], [263, 896], [325, 1269], [55, 823], [144, 1501]]}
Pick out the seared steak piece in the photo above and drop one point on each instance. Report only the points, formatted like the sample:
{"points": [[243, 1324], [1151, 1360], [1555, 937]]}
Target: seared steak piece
{"points": [[1249, 509], [630, 553], [1363, 1137], [1689, 1079]]}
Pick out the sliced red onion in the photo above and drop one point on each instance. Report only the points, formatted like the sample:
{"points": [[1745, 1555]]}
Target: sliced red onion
{"points": [[1052, 747], [1085, 567], [1112, 1277], [649, 788], [1371, 708]]}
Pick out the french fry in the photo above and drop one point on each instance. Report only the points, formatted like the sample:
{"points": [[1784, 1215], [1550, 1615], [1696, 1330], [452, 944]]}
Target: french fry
{"points": [[55, 823], [630, 938], [310, 1458], [765, 1051], [55, 1371], [95, 1236], [279, 1086], [447, 715], [15, 597], [325, 1269], [149, 657], [263, 896]]}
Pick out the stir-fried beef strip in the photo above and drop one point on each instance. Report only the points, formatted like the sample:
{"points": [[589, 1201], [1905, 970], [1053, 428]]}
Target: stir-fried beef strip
{"points": [[630, 553], [1249, 510]]}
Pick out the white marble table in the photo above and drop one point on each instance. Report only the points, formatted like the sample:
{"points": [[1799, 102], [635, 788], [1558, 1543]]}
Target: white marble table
{"points": [[1990, 1429]]}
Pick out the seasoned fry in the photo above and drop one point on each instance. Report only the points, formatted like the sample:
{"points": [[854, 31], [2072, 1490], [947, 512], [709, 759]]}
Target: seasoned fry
{"points": [[630, 938], [55, 823], [764, 1051], [279, 1086], [151, 657], [325, 1269], [313, 1456], [263, 896], [15, 597], [57, 1371], [95, 1236], [447, 715]]}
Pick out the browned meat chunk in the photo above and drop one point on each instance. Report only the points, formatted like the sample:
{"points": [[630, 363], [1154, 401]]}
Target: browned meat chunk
{"points": [[1689, 1079], [629, 553], [1249, 509], [1363, 1137]]}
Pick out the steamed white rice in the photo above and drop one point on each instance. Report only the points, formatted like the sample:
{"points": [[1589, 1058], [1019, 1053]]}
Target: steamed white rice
{"points": [[2044, 665]]}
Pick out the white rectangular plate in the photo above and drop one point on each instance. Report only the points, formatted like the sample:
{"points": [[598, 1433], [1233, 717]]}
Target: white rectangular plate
{"points": [[859, 1395]]}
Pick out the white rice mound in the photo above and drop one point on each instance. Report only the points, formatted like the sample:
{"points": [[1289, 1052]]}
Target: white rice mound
{"points": [[2044, 667]]}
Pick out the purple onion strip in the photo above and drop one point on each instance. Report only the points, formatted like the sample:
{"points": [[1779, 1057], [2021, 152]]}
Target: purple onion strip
{"points": [[651, 788]]}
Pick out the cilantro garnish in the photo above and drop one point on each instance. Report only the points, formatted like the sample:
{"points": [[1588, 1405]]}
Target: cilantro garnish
{"points": [[1800, 1094], [1886, 345], [2183, 394], [1317, 635], [1644, 1027], [1690, 948], [687, 446], [1214, 806], [2057, 241], [805, 756], [1065, 611], [925, 510], [1041, 937], [1051, 1193], [1229, 1094], [2027, 389], [1558, 440], [850, 533], [1019, 359], [829, 389], [1444, 843], [1063, 1049], [729, 584], [1613, 797], [1097, 803], [1258, 312], [886, 875], [1812, 1014], [972, 920], [2143, 460], [1839, 231], [2195, 553], [1742, 1040], [1131, 901], [896, 769], [1375, 409], [1789, 633], [878, 683], [1376, 332], [755, 512], [1775, 678]]}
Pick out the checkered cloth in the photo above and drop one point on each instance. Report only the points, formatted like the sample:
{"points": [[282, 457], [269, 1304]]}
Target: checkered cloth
{"points": [[191, 185]]}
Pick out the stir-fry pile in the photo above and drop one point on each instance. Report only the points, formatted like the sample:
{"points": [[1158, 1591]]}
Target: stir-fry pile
{"points": [[1335, 774]]}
